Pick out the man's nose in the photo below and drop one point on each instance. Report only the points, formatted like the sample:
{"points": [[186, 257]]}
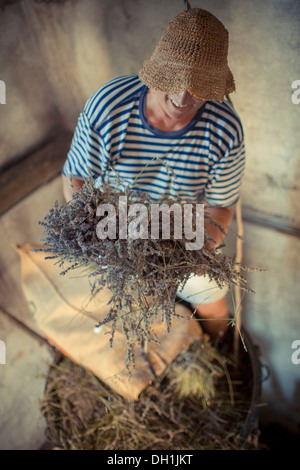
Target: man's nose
{"points": [[183, 97]]}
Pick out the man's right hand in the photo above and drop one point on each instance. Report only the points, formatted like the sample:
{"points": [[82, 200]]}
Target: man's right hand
{"points": [[68, 190]]}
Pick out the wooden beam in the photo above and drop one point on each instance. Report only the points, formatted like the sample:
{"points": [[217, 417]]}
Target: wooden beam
{"points": [[32, 171], [270, 221]]}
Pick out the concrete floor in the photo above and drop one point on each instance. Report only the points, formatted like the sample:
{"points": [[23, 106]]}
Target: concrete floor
{"points": [[22, 387], [25, 355]]}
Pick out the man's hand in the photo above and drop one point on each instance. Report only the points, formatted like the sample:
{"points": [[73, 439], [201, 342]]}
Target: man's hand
{"points": [[223, 217], [68, 190]]}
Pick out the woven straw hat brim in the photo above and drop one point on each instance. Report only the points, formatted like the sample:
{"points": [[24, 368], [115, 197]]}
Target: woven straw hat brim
{"points": [[173, 78], [191, 55]]}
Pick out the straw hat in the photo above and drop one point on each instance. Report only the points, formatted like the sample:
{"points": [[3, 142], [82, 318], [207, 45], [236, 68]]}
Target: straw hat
{"points": [[191, 55]]}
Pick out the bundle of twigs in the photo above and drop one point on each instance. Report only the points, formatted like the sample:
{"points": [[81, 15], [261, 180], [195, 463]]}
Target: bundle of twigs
{"points": [[142, 273]]}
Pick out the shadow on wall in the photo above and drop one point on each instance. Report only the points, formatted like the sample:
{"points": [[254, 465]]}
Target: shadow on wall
{"points": [[63, 52], [271, 315], [132, 30]]}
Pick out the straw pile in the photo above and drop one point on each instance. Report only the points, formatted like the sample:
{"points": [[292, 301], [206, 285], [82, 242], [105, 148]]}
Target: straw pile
{"points": [[84, 414]]}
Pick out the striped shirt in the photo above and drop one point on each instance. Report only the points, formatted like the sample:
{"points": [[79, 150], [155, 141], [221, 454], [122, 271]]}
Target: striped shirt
{"points": [[204, 161]]}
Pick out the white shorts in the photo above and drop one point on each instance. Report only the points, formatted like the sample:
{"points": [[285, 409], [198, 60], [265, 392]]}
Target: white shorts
{"points": [[201, 290]]}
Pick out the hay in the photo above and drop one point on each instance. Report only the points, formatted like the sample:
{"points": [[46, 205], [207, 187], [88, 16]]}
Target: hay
{"points": [[84, 414]]}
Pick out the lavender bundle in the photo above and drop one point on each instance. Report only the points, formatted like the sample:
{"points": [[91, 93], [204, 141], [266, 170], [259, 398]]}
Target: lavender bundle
{"points": [[143, 274]]}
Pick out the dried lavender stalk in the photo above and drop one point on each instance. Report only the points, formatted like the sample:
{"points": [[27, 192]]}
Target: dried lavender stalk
{"points": [[143, 274]]}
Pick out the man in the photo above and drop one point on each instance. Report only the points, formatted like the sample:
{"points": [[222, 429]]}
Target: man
{"points": [[170, 130]]}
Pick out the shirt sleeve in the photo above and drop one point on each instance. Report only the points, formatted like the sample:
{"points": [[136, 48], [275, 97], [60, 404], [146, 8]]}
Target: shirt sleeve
{"points": [[87, 152], [225, 177]]}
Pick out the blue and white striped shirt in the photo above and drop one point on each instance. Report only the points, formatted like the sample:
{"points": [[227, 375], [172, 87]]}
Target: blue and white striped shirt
{"points": [[203, 161]]}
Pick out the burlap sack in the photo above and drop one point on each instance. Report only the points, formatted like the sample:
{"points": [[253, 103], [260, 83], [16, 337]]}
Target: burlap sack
{"points": [[65, 316]]}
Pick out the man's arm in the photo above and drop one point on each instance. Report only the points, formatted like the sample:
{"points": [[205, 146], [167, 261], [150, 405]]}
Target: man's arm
{"points": [[223, 216], [67, 189]]}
